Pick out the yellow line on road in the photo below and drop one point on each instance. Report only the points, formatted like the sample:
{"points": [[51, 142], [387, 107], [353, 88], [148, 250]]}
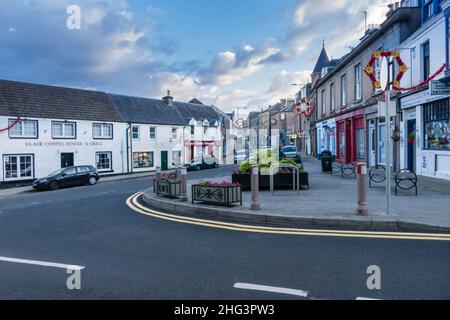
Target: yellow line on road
{"points": [[136, 206]]}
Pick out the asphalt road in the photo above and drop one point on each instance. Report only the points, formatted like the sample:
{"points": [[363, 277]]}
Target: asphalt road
{"points": [[129, 256]]}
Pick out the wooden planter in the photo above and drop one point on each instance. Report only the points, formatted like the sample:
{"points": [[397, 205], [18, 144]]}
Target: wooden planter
{"points": [[218, 195], [168, 189], [281, 181]]}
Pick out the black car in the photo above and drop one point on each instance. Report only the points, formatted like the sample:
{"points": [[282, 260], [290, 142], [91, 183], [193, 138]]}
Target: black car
{"points": [[291, 152], [202, 163], [68, 177]]}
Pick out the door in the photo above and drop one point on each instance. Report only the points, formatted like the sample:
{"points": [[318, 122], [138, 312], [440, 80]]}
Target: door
{"points": [[372, 145], [412, 144], [67, 160], [164, 160], [382, 144]]}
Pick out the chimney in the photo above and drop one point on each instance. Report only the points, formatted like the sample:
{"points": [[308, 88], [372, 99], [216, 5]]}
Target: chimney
{"points": [[168, 99]]}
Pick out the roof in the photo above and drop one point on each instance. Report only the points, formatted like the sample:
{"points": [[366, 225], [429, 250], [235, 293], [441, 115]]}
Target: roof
{"points": [[154, 111], [21, 99], [322, 62]]}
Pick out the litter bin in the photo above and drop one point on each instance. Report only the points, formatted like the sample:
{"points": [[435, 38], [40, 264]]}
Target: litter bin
{"points": [[327, 162]]}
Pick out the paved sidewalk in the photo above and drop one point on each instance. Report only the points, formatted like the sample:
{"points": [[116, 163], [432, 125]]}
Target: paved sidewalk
{"points": [[334, 199], [13, 191]]}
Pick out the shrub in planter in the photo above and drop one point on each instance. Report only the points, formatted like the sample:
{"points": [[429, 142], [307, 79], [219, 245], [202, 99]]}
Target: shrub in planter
{"points": [[168, 186], [223, 193]]}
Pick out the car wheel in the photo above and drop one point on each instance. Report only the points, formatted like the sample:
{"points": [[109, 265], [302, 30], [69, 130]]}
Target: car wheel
{"points": [[92, 181], [54, 186], [198, 168]]}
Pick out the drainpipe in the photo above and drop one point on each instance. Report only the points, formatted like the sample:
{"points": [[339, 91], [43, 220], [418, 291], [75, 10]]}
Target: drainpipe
{"points": [[129, 147]]}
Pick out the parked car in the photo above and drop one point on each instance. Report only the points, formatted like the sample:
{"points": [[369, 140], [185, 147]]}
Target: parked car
{"points": [[241, 155], [202, 163], [291, 152], [68, 177]]}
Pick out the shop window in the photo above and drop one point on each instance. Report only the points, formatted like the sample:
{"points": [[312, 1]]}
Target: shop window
{"points": [[176, 158], [143, 160], [23, 129], [18, 167], [437, 125], [360, 144], [104, 161], [342, 144]]}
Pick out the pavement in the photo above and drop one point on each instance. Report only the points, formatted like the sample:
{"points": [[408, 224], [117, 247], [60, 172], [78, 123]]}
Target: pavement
{"points": [[127, 255], [331, 202]]}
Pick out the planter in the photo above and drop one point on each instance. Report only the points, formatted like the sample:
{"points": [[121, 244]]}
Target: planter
{"points": [[281, 181], [168, 189], [218, 195]]}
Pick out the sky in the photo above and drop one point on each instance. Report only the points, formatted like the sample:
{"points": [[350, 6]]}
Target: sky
{"points": [[230, 53]]}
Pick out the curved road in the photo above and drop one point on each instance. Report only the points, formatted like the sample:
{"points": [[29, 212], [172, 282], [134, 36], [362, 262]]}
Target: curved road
{"points": [[127, 255]]}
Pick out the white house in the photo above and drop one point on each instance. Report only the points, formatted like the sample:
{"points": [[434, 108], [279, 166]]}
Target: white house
{"points": [[44, 128], [425, 125]]}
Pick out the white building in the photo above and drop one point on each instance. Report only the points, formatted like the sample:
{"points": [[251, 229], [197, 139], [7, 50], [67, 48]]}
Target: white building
{"points": [[54, 127], [425, 125]]}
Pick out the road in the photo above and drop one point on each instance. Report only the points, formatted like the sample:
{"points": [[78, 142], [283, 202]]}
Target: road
{"points": [[126, 255]]}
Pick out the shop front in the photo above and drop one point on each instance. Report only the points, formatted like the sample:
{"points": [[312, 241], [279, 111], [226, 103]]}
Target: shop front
{"points": [[425, 131], [326, 136], [351, 137]]}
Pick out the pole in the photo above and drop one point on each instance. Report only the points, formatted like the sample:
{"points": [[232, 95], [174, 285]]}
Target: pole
{"points": [[388, 144], [183, 185], [362, 210], [255, 205]]}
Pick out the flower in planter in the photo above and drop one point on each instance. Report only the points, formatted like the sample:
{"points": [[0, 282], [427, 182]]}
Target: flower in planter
{"points": [[218, 184]]}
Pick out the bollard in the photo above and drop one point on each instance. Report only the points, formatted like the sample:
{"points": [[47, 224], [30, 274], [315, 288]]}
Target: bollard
{"points": [[158, 174], [178, 172], [255, 189], [183, 185], [362, 190]]}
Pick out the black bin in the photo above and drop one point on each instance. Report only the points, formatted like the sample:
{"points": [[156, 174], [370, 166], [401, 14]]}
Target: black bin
{"points": [[327, 161]]}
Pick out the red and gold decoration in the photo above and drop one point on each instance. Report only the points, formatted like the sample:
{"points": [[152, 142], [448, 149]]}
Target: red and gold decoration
{"points": [[11, 125], [402, 69], [304, 107]]}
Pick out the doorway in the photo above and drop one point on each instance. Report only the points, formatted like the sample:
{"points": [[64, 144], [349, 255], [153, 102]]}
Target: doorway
{"points": [[411, 149], [164, 160], [372, 150], [67, 160]]}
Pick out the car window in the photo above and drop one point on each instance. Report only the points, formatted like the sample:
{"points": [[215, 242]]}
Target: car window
{"points": [[83, 169], [70, 171]]}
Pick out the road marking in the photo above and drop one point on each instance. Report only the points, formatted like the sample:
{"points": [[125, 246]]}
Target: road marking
{"points": [[42, 263], [136, 206], [256, 287], [366, 299]]}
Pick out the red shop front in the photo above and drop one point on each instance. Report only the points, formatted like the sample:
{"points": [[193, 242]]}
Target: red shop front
{"points": [[350, 140]]}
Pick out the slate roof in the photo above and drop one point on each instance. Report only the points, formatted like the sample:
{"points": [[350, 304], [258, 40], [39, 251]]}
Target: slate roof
{"points": [[43, 101], [322, 62], [154, 111]]}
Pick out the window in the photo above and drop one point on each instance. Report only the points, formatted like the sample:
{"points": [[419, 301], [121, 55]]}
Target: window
{"points": [[23, 129], [448, 41], [332, 97], [360, 144], [344, 90], [425, 61], [136, 132], [322, 101], [428, 9], [102, 131], [63, 130], [142, 160], [18, 167], [192, 130], [153, 133], [377, 72], [176, 158], [103, 161], [174, 133], [341, 144], [358, 83], [437, 125]]}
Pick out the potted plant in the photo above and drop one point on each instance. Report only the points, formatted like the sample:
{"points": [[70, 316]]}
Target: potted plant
{"points": [[412, 137], [220, 193], [168, 186]]}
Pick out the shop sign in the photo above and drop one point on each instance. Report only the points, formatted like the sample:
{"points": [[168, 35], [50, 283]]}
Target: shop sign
{"points": [[63, 144], [438, 88]]}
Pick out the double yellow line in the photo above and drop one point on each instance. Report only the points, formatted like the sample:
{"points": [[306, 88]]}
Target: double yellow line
{"points": [[133, 204]]}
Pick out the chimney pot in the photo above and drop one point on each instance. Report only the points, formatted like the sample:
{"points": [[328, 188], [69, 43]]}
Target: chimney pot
{"points": [[168, 99]]}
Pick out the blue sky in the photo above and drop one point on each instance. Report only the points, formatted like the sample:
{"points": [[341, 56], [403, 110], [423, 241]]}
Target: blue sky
{"points": [[229, 53]]}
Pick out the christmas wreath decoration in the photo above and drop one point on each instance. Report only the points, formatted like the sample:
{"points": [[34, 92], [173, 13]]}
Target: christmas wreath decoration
{"points": [[402, 68], [304, 107]]}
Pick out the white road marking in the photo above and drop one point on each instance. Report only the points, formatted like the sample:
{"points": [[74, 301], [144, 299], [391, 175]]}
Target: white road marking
{"points": [[368, 299], [42, 263], [249, 286]]}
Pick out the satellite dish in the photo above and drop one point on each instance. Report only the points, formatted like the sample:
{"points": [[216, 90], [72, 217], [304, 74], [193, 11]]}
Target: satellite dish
{"points": [[384, 74]]}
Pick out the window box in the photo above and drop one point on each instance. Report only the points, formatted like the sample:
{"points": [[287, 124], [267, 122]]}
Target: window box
{"points": [[220, 195], [168, 189]]}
